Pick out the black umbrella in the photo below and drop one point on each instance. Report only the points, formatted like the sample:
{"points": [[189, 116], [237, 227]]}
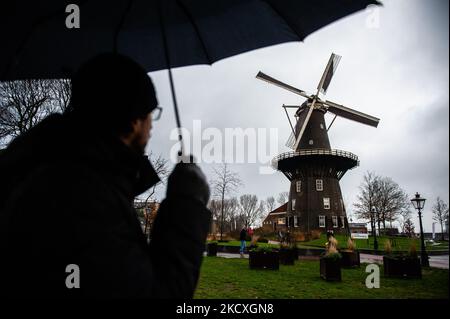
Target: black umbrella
{"points": [[158, 34]]}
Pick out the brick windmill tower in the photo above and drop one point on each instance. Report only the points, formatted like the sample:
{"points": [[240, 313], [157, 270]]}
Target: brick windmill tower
{"points": [[313, 168]]}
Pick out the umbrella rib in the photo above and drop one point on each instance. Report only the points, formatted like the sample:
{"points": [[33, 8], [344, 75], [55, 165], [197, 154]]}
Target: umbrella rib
{"points": [[300, 36], [196, 28], [120, 25]]}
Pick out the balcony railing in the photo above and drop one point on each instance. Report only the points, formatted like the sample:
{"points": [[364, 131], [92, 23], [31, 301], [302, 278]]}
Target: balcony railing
{"points": [[309, 152]]}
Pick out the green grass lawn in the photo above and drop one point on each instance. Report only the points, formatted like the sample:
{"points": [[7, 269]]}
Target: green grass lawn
{"points": [[398, 243], [232, 278]]}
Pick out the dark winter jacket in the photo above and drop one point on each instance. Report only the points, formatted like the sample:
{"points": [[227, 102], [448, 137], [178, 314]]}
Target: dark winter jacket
{"points": [[243, 234], [67, 198]]}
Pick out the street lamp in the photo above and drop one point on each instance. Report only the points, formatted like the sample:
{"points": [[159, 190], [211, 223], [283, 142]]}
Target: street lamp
{"points": [[374, 232], [419, 203]]}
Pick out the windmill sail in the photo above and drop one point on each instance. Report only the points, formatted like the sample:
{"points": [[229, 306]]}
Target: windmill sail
{"points": [[310, 109], [291, 141], [328, 73], [351, 114], [271, 80]]}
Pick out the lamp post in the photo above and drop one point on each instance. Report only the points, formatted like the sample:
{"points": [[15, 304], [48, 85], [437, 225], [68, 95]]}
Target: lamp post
{"points": [[374, 231], [419, 203]]}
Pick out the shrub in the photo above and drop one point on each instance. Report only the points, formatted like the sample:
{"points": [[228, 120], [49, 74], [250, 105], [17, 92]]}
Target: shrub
{"points": [[332, 243], [351, 245], [262, 249], [413, 251], [298, 236], [269, 234], [333, 256], [388, 247], [254, 240], [315, 234], [332, 252]]}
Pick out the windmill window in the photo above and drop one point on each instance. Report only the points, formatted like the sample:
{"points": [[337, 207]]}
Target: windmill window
{"points": [[321, 126], [298, 186], [293, 204], [319, 185], [295, 221], [326, 203], [322, 221], [335, 221], [343, 221], [311, 142]]}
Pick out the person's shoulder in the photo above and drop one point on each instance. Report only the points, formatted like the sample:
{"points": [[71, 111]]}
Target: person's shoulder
{"points": [[68, 181], [69, 173]]}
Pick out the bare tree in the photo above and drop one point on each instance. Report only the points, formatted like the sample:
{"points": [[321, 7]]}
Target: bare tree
{"points": [[160, 165], [61, 92], [25, 103], [440, 214], [283, 197], [215, 206], [251, 209], [408, 227], [366, 198], [405, 215], [386, 196], [231, 212], [225, 182], [270, 203], [390, 201]]}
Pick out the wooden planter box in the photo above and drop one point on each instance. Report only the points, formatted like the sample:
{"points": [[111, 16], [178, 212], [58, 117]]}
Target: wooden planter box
{"points": [[350, 259], [211, 249], [402, 267], [288, 256], [264, 260], [330, 269]]}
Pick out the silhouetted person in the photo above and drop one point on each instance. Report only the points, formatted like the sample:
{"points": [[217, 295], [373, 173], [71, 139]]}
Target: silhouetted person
{"points": [[67, 191]]}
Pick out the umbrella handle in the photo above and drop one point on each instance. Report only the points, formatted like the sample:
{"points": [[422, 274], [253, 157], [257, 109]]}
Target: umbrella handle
{"points": [[177, 114]]}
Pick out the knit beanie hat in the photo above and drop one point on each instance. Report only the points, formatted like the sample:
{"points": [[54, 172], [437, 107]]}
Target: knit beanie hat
{"points": [[111, 90]]}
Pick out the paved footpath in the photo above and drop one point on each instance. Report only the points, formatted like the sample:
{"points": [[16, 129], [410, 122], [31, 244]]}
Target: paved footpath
{"points": [[435, 261]]}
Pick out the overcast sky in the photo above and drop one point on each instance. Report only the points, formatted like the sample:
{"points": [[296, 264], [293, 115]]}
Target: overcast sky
{"points": [[394, 67]]}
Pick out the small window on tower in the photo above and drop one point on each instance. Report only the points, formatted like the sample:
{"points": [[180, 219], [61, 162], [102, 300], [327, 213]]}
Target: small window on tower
{"points": [[322, 221], [322, 126], [295, 221], [335, 221], [311, 142], [293, 204], [319, 185], [343, 221], [326, 203], [298, 186]]}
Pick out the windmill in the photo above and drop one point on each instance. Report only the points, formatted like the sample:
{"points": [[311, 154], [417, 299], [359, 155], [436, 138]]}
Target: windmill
{"points": [[313, 168]]}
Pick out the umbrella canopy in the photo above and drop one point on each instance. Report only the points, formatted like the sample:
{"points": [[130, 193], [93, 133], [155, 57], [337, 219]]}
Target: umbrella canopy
{"points": [[36, 42], [159, 34]]}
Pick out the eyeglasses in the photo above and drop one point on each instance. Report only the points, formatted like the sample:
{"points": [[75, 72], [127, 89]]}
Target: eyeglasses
{"points": [[156, 113]]}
